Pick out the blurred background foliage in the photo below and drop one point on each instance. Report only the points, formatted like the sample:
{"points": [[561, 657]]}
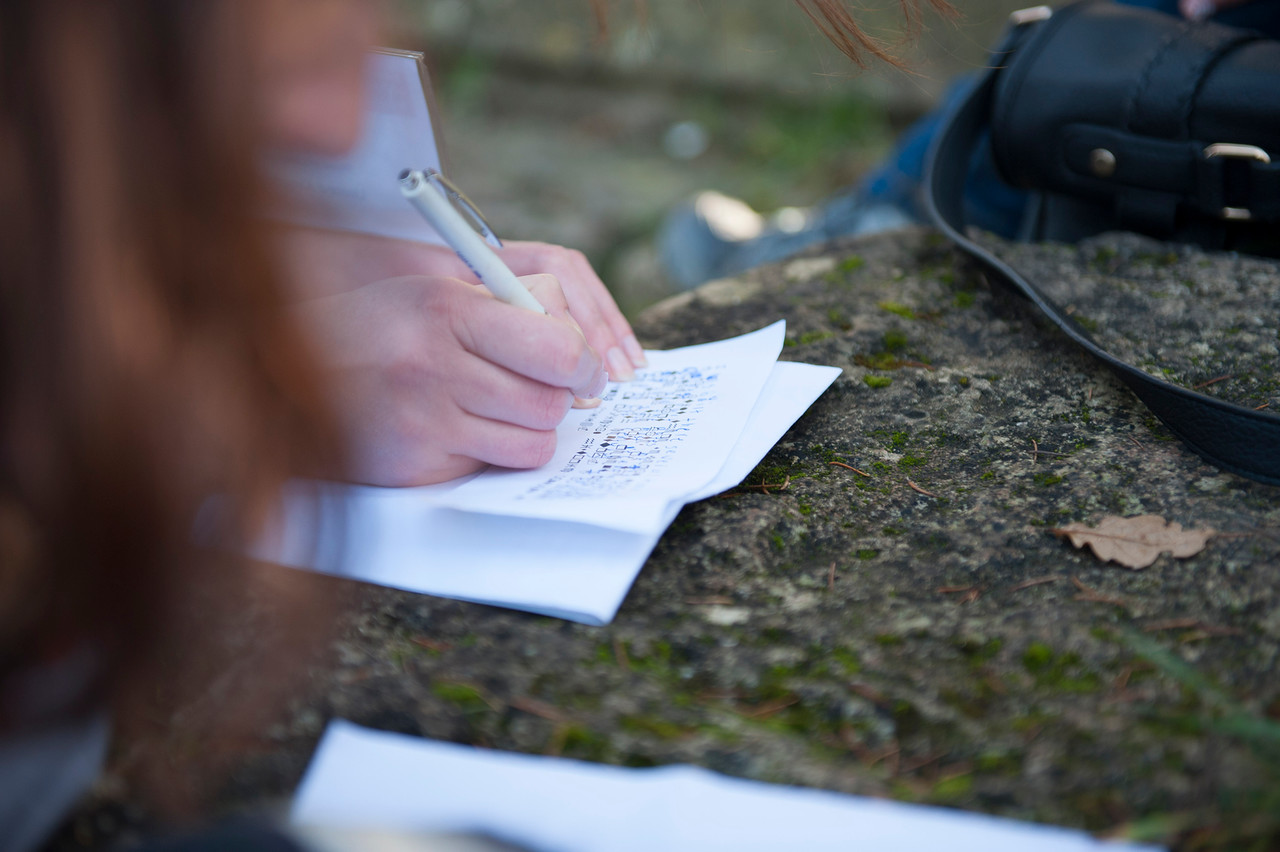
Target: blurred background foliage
{"points": [[565, 131]]}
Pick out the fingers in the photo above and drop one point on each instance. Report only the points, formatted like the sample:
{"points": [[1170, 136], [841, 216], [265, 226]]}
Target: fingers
{"points": [[485, 390], [602, 322], [505, 445], [545, 287], [542, 348], [598, 304]]}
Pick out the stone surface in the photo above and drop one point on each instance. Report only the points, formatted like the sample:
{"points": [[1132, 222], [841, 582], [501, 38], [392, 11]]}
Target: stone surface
{"points": [[910, 628]]}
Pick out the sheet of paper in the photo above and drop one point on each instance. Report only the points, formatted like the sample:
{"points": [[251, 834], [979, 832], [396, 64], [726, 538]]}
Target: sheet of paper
{"points": [[403, 539], [359, 191], [369, 779], [653, 440]]}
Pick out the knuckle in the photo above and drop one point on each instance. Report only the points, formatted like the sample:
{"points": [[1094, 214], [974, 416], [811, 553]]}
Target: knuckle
{"points": [[549, 408], [406, 431], [405, 362], [542, 446], [568, 355]]}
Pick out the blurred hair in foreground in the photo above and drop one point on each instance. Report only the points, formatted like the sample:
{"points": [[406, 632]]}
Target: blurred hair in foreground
{"points": [[147, 359]]}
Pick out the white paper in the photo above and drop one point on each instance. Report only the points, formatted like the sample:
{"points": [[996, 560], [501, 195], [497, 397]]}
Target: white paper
{"points": [[360, 190], [400, 537], [651, 441], [369, 779]]}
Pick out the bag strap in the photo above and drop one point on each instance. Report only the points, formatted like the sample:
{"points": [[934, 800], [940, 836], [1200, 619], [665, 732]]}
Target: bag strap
{"points": [[1233, 437]]}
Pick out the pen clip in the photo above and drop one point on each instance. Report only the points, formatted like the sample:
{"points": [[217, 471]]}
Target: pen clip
{"points": [[463, 205]]}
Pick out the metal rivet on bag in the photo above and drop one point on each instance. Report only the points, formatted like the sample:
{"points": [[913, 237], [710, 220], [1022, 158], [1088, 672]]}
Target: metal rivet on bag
{"points": [[1102, 162]]}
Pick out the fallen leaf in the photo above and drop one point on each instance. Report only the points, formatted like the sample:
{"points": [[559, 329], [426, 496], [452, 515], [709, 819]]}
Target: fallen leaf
{"points": [[1136, 542]]}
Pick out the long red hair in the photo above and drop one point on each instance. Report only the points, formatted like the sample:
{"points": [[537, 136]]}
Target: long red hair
{"points": [[838, 22], [147, 357]]}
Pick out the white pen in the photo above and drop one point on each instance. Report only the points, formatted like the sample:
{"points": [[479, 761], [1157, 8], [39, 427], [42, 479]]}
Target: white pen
{"points": [[426, 194]]}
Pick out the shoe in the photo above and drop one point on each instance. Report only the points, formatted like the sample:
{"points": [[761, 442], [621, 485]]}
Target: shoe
{"points": [[696, 237], [714, 235]]}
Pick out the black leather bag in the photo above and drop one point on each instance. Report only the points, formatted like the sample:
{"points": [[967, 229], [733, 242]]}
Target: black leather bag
{"points": [[1123, 118], [1128, 119]]}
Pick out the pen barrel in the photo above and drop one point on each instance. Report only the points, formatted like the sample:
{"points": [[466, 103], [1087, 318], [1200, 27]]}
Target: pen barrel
{"points": [[470, 246]]}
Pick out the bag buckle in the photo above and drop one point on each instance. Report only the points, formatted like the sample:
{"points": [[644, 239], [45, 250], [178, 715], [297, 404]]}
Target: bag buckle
{"points": [[1234, 151]]}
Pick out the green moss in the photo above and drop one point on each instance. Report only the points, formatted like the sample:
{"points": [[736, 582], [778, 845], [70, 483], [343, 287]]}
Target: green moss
{"points": [[584, 744], [877, 381], [978, 652], [837, 318], [892, 531], [660, 728], [878, 361], [950, 789], [466, 698], [1104, 255], [1089, 325], [1037, 657], [998, 762], [988, 474], [852, 262], [604, 653], [867, 553], [895, 340], [814, 337], [1046, 479], [804, 508], [962, 381], [908, 461], [847, 660], [888, 639], [1062, 673], [963, 299], [824, 453], [898, 309]]}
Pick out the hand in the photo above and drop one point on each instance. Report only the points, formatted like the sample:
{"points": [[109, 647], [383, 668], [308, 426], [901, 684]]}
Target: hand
{"points": [[325, 262], [590, 302], [436, 378]]}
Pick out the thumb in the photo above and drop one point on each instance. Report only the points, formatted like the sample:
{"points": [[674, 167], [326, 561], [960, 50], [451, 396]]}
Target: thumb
{"points": [[546, 289]]}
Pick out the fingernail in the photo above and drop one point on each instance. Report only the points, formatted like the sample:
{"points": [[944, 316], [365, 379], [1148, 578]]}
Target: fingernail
{"points": [[579, 402], [597, 386], [634, 351], [620, 369]]}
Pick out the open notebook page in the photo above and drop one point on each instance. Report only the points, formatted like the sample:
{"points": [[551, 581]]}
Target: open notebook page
{"points": [[653, 440], [399, 537]]}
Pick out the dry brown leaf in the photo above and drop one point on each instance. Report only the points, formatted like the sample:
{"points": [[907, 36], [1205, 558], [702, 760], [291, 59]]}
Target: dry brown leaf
{"points": [[1136, 542]]}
